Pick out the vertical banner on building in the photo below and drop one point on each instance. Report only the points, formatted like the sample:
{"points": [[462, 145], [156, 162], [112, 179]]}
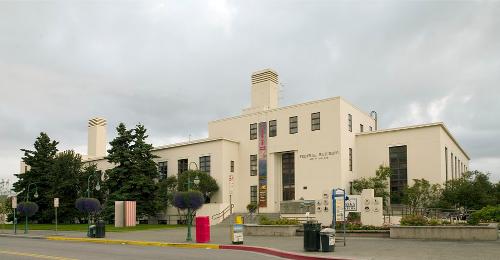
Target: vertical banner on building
{"points": [[263, 164]]}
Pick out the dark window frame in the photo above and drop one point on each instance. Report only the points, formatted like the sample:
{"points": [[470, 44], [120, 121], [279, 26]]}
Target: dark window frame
{"points": [[273, 128], [349, 122], [350, 159], [315, 121], [182, 165], [205, 164], [288, 176], [163, 169], [398, 162], [293, 122], [361, 128], [253, 131], [253, 165], [231, 166], [253, 194]]}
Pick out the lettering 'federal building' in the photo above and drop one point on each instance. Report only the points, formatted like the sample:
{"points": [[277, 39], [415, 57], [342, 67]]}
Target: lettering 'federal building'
{"points": [[270, 155]]}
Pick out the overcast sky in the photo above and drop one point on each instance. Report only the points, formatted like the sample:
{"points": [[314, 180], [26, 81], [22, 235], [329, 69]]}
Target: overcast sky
{"points": [[175, 65]]}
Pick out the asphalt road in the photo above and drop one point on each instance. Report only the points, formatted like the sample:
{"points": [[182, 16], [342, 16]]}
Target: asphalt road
{"points": [[23, 249]]}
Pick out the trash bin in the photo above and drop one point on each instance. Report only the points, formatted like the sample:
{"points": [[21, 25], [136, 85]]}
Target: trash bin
{"points": [[100, 229], [311, 236], [202, 229], [91, 232], [327, 240]]}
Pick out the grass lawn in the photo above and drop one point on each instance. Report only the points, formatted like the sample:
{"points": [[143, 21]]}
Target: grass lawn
{"points": [[83, 227]]}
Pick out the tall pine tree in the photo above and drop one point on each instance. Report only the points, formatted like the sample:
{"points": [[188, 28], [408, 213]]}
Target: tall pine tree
{"points": [[40, 162], [134, 175]]}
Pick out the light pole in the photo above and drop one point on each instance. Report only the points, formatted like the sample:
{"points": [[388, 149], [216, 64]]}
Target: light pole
{"points": [[190, 218], [27, 199], [97, 188]]}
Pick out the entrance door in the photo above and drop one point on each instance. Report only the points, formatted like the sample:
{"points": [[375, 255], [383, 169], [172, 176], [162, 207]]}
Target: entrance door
{"points": [[288, 171]]}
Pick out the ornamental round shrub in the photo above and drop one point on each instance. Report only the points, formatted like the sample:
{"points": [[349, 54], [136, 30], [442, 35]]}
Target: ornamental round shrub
{"points": [[88, 205], [188, 200], [27, 208]]}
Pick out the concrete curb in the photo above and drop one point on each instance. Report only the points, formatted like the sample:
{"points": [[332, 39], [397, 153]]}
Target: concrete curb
{"points": [[276, 252], [255, 249]]}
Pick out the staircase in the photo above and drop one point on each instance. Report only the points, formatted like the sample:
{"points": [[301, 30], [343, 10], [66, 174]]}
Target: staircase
{"points": [[247, 218]]}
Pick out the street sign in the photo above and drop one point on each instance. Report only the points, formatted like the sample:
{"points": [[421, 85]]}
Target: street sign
{"points": [[231, 184], [351, 204], [56, 202], [14, 202], [339, 204]]}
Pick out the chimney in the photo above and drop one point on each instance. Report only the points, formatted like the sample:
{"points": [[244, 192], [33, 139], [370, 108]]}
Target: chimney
{"points": [[97, 137], [264, 90]]}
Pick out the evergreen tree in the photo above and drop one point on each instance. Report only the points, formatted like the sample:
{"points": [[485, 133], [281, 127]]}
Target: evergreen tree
{"points": [[40, 162], [135, 173]]}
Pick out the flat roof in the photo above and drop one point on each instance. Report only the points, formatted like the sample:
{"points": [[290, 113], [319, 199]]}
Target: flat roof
{"points": [[163, 147], [441, 124]]}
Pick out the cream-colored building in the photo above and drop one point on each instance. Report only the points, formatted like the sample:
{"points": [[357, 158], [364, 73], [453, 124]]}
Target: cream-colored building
{"points": [[270, 154]]}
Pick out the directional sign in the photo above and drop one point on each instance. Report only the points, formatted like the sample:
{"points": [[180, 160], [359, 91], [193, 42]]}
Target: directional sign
{"points": [[14, 202], [56, 202]]}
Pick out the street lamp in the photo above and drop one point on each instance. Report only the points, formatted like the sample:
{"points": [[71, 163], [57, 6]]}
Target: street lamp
{"points": [[27, 199], [97, 188], [196, 181]]}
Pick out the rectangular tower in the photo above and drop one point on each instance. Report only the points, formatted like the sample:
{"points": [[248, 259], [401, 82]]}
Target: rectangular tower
{"points": [[97, 137]]}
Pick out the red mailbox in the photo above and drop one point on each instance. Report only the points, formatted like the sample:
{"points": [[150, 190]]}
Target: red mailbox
{"points": [[202, 229]]}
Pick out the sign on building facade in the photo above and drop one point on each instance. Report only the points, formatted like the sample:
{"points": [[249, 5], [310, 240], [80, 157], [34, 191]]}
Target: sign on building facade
{"points": [[263, 164]]}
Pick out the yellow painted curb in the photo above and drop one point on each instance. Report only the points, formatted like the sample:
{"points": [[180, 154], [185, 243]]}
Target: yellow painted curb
{"points": [[133, 242]]}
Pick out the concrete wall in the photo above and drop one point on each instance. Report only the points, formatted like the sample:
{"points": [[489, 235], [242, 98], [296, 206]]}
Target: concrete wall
{"points": [[270, 230], [446, 232]]}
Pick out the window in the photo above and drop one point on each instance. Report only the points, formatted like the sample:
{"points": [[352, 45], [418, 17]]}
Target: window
{"points": [[205, 164], [349, 122], [288, 171], [253, 194], [399, 178], [315, 121], [371, 128], [253, 165], [294, 127], [361, 128], [446, 161], [456, 167], [273, 128], [253, 131], [163, 169], [182, 165], [231, 167], [452, 172], [350, 159]]}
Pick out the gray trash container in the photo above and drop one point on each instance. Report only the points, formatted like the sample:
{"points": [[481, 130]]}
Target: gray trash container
{"points": [[327, 239], [92, 231], [100, 229], [311, 236]]}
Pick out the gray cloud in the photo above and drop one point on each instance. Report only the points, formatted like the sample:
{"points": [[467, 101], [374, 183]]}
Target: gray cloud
{"points": [[175, 65]]}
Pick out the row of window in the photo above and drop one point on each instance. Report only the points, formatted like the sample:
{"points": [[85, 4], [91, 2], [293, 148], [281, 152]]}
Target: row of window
{"points": [[361, 126], [183, 165], [293, 125], [458, 168]]}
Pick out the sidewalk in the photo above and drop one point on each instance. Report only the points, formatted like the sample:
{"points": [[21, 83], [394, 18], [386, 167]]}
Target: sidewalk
{"points": [[357, 248]]}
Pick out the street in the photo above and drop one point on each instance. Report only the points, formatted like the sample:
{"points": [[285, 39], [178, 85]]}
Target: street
{"points": [[18, 248]]}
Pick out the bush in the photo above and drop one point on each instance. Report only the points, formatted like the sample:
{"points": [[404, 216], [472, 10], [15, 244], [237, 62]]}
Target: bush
{"points": [[27, 208], [434, 222], [252, 207], [263, 220], [413, 220], [88, 205], [486, 214], [188, 200]]}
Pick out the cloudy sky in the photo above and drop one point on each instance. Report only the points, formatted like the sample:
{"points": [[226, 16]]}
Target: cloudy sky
{"points": [[175, 65]]}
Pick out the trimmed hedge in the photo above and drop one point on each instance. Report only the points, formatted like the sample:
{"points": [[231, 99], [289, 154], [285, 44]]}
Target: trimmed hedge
{"points": [[413, 220], [486, 214]]}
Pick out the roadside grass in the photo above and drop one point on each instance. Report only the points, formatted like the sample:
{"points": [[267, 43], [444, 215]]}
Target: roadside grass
{"points": [[83, 227]]}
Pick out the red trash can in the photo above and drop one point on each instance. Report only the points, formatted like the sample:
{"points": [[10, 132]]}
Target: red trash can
{"points": [[202, 229]]}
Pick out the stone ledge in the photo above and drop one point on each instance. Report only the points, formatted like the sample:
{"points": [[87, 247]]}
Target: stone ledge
{"points": [[270, 230], [464, 233]]}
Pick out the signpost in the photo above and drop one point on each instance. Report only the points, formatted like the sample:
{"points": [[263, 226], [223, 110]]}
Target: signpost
{"points": [[338, 201], [56, 205], [14, 206]]}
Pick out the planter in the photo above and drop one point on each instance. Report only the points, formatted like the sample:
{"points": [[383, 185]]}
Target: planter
{"points": [[356, 233], [270, 230], [464, 233]]}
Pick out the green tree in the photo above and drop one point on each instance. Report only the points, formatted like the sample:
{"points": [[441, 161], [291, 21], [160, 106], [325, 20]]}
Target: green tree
{"points": [[207, 186], [165, 192], [379, 183], [473, 191], [421, 195], [40, 162], [135, 173]]}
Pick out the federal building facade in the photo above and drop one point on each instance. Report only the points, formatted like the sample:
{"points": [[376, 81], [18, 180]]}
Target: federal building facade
{"points": [[269, 154]]}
